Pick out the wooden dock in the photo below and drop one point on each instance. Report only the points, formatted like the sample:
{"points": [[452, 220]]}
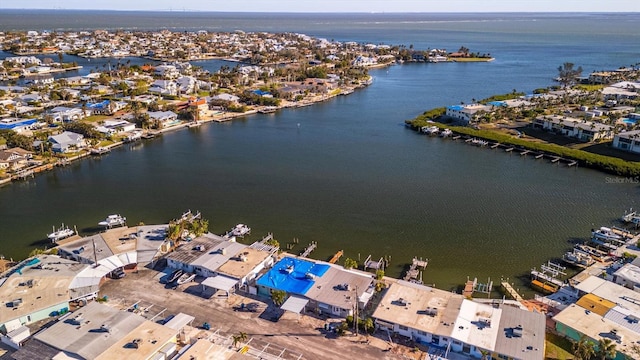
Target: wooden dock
{"points": [[511, 291], [371, 264], [539, 156], [456, 137], [525, 152], [336, 257], [414, 270], [509, 149], [555, 159], [309, 249], [495, 145], [468, 288], [572, 163]]}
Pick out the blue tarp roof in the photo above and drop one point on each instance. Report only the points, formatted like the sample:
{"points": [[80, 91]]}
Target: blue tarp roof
{"points": [[261, 93], [99, 105], [295, 281], [498, 103], [456, 107], [18, 123]]}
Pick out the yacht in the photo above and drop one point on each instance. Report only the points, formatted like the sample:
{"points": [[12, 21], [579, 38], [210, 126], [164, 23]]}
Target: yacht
{"points": [[240, 230], [113, 220], [175, 275], [62, 233], [631, 217], [605, 234]]}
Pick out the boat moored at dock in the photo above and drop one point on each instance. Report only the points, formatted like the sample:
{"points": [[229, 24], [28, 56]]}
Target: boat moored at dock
{"points": [[185, 278], [605, 234], [430, 130], [63, 232], [240, 230], [446, 133], [578, 258], [113, 220]]}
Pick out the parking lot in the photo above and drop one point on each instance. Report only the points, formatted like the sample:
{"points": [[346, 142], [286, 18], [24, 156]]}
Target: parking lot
{"points": [[291, 337]]}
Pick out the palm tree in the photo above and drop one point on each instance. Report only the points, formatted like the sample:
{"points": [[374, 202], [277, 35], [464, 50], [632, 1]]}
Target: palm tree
{"points": [[583, 349], [239, 338], [278, 296], [606, 349]]}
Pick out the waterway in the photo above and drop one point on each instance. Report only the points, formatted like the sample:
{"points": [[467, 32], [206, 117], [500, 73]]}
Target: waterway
{"points": [[347, 174]]}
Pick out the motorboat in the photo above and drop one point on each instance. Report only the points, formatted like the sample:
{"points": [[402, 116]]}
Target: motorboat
{"points": [[185, 278], [62, 233], [578, 258], [240, 230], [430, 130], [446, 133], [99, 150], [605, 234], [113, 220], [175, 275]]}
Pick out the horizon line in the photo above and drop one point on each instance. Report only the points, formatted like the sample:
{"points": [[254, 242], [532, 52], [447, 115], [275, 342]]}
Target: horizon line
{"points": [[328, 12]]}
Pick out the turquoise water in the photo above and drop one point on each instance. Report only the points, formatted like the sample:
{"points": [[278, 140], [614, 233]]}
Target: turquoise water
{"points": [[347, 174]]}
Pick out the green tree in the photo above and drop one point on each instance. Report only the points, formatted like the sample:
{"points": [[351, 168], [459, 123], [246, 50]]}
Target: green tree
{"points": [[606, 349], [278, 297], [379, 274], [583, 349], [568, 75], [239, 338], [350, 263]]}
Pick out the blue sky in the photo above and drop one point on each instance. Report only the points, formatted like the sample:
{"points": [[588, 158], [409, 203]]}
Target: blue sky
{"points": [[336, 5]]}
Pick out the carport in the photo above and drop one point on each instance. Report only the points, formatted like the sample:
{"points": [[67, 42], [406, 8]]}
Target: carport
{"points": [[295, 304], [219, 282]]}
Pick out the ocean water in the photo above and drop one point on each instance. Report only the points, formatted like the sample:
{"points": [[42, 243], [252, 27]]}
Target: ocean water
{"points": [[346, 173]]}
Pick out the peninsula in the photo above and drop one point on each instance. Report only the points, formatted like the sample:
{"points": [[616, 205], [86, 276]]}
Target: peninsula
{"points": [[47, 121]]}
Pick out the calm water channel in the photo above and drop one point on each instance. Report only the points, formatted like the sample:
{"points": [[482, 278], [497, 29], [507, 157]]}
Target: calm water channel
{"points": [[347, 174]]}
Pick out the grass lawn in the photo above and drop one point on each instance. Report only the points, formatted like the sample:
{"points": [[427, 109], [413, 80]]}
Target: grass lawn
{"points": [[95, 118], [587, 87], [557, 347]]}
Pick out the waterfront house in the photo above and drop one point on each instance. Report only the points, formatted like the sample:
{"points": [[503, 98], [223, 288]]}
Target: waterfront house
{"points": [[164, 87], [467, 113], [628, 141], [111, 127], [67, 141], [105, 107], [98, 331], [628, 275], [163, 119], [38, 288], [15, 158], [226, 97], [605, 310], [573, 127], [227, 265], [316, 286], [448, 322], [65, 114]]}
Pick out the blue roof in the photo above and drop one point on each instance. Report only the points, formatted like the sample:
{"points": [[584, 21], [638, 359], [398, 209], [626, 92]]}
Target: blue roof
{"points": [[456, 107], [498, 103], [99, 105], [261, 93], [296, 281], [18, 123]]}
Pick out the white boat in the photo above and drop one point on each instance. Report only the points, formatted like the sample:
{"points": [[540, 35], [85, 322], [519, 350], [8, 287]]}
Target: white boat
{"points": [[578, 258], [430, 130], [113, 220], [62, 233], [446, 133], [185, 278], [479, 142], [605, 234], [240, 230], [631, 217], [136, 135]]}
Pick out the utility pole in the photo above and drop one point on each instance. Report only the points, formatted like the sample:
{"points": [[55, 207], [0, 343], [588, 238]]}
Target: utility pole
{"points": [[355, 317]]}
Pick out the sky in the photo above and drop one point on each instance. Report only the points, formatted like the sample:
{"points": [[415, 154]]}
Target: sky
{"points": [[335, 5]]}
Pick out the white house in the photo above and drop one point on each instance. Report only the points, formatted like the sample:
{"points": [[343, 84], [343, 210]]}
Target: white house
{"points": [[67, 141], [449, 322], [628, 140], [573, 127], [65, 114], [165, 118], [466, 113], [164, 87], [115, 126]]}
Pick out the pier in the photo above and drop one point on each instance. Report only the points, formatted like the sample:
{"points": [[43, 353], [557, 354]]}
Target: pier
{"points": [[376, 265], [509, 149], [511, 291], [525, 152], [539, 156], [312, 246], [334, 259], [495, 145], [414, 270]]}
